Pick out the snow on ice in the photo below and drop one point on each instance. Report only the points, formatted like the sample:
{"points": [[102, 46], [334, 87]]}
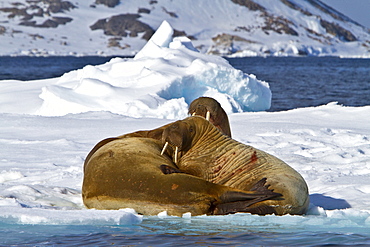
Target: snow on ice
{"points": [[48, 127]]}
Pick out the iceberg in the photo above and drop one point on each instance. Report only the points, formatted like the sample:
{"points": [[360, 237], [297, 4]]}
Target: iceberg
{"points": [[159, 82]]}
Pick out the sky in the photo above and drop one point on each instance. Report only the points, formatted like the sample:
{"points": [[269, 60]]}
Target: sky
{"points": [[357, 10]]}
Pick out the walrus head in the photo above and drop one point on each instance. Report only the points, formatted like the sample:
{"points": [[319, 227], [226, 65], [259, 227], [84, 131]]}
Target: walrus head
{"points": [[202, 107], [211, 110], [179, 136]]}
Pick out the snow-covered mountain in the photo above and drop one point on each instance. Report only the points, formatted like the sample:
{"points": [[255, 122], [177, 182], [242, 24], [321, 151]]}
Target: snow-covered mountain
{"points": [[223, 27]]}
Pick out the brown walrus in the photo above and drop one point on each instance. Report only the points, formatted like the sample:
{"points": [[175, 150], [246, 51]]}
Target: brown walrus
{"points": [[203, 151], [210, 109], [131, 173]]}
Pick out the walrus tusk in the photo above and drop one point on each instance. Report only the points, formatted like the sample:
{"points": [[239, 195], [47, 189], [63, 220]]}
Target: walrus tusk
{"points": [[176, 152], [208, 115], [164, 148]]}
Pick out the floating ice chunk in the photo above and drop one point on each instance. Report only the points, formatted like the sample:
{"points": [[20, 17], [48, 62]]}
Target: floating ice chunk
{"points": [[160, 82], [186, 215], [163, 214]]}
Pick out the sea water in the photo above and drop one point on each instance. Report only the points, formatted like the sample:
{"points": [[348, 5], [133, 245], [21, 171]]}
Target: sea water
{"points": [[231, 230], [295, 82]]}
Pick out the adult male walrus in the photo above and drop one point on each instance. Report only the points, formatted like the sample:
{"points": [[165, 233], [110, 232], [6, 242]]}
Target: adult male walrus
{"points": [[210, 109], [201, 150], [131, 172]]}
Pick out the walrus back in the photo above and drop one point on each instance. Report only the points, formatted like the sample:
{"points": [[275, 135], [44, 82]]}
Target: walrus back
{"points": [[222, 160], [281, 177], [118, 172]]}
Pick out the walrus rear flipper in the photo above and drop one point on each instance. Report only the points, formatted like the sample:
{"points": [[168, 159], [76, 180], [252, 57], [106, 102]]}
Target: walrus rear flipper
{"points": [[234, 202], [261, 186], [243, 207], [262, 210], [245, 204]]}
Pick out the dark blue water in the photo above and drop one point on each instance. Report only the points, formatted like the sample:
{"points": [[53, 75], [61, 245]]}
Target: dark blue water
{"points": [[26, 68], [179, 232], [311, 81], [294, 81]]}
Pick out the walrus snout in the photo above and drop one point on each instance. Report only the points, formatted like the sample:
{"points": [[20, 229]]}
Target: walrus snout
{"points": [[175, 153], [205, 107], [178, 135], [201, 110]]}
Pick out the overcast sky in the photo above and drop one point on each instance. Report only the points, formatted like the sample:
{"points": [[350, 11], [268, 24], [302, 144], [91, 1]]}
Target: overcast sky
{"points": [[357, 10]]}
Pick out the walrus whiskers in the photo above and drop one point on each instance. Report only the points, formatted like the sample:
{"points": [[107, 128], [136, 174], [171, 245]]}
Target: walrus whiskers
{"points": [[164, 148]]}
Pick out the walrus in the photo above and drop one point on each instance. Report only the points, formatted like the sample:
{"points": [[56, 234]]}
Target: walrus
{"points": [[211, 109], [203, 151], [130, 172]]}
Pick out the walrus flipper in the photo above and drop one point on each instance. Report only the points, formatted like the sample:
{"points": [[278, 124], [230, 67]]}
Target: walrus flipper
{"points": [[243, 207], [261, 186], [246, 205], [234, 202], [262, 210], [169, 170]]}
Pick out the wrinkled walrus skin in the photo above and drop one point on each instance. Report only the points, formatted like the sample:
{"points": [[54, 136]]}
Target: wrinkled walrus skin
{"points": [[216, 114], [131, 173], [206, 153]]}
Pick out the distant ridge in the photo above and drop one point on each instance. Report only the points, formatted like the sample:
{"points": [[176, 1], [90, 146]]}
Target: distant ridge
{"points": [[225, 27]]}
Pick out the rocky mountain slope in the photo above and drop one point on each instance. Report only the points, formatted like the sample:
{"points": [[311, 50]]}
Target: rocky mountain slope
{"points": [[223, 27]]}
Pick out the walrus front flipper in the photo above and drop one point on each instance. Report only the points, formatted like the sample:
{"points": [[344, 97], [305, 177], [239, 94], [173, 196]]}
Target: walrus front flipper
{"points": [[169, 170]]}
